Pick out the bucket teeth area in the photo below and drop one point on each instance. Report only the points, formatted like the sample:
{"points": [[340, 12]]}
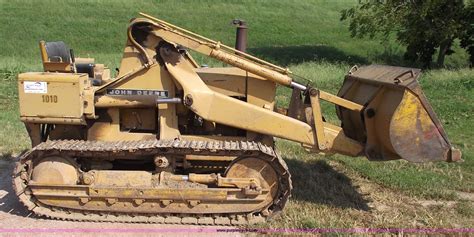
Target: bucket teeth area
{"points": [[397, 122]]}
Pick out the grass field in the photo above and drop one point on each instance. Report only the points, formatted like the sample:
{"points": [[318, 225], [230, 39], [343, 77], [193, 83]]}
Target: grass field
{"points": [[306, 36]]}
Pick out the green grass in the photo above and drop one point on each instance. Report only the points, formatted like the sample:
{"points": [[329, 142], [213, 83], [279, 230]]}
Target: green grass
{"points": [[13, 137], [305, 36], [286, 32]]}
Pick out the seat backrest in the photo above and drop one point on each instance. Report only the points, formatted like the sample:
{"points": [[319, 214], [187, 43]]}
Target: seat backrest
{"points": [[56, 57], [58, 52]]}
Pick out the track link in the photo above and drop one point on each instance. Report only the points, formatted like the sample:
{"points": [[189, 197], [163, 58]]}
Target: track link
{"points": [[112, 149]]}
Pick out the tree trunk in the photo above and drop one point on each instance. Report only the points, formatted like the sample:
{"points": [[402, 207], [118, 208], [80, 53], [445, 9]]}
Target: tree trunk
{"points": [[443, 49]]}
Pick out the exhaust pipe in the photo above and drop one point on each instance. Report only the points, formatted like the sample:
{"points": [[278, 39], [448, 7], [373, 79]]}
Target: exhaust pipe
{"points": [[241, 35]]}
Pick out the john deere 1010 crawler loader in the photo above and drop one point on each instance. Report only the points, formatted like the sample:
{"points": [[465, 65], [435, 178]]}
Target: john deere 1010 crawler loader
{"points": [[169, 141]]}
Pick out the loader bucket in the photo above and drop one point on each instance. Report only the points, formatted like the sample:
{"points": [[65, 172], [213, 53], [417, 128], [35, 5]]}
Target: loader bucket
{"points": [[397, 121]]}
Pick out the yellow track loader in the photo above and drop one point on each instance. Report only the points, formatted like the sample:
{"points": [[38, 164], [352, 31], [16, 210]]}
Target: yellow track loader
{"points": [[169, 141]]}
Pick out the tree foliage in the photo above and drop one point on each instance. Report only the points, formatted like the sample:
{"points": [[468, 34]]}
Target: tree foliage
{"points": [[423, 26]]}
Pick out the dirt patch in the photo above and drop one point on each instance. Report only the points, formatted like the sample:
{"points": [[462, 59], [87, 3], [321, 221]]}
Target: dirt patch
{"points": [[400, 210], [433, 203], [465, 196]]}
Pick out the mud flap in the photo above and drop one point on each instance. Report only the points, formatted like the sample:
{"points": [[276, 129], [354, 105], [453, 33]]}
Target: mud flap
{"points": [[397, 121]]}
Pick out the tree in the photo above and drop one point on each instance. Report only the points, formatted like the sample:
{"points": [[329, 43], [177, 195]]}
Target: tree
{"points": [[467, 36], [423, 26]]}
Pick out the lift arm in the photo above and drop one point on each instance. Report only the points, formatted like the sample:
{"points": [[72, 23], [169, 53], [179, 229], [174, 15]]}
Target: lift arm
{"points": [[379, 107], [219, 108]]}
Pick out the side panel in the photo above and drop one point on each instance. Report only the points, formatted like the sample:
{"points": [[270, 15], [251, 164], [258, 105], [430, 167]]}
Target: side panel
{"points": [[52, 97], [236, 82], [228, 81]]}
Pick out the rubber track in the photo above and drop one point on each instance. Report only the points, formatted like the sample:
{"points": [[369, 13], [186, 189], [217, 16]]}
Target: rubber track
{"points": [[112, 150]]}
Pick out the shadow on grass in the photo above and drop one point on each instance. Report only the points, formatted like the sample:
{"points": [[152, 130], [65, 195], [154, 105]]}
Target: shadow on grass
{"points": [[392, 58], [316, 181], [286, 55]]}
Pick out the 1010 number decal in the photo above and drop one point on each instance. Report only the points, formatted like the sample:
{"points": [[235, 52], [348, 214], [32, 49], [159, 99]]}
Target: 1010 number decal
{"points": [[50, 98]]}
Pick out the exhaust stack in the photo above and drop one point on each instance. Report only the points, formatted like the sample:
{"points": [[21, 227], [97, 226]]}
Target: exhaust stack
{"points": [[241, 35]]}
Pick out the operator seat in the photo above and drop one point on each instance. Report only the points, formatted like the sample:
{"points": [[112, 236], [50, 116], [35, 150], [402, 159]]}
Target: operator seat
{"points": [[58, 57]]}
